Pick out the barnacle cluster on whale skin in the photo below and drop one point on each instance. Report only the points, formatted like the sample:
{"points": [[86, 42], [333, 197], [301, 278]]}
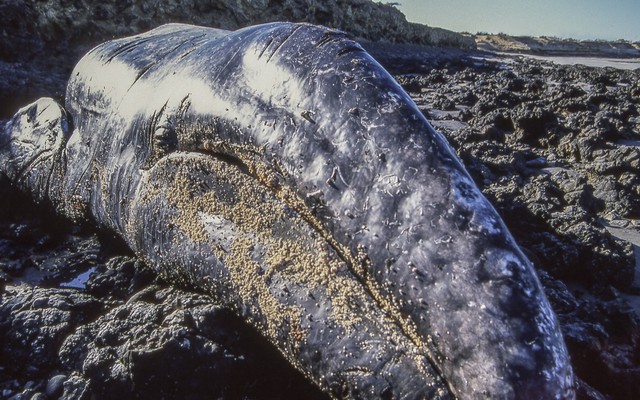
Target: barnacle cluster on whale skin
{"points": [[281, 169]]}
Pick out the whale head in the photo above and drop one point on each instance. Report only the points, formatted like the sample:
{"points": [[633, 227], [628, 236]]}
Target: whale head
{"points": [[30, 144]]}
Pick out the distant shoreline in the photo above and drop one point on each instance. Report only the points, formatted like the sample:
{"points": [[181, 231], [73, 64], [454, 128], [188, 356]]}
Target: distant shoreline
{"points": [[597, 61], [549, 46]]}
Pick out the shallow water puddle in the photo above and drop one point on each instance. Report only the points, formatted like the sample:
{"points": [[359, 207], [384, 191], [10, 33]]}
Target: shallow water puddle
{"points": [[80, 281]]}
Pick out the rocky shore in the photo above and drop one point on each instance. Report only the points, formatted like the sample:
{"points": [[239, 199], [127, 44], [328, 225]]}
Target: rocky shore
{"points": [[555, 148]]}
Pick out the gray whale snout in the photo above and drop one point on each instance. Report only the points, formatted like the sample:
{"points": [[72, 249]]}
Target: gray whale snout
{"points": [[282, 170]]}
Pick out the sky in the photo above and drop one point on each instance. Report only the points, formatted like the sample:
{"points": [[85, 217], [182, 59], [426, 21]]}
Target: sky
{"points": [[578, 19]]}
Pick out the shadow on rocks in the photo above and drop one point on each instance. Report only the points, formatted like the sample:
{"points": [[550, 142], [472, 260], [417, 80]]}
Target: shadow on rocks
{"points": [[169, 343]]}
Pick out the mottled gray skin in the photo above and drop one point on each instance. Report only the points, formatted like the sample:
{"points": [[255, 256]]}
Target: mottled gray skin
{"points": [[368, 174]]}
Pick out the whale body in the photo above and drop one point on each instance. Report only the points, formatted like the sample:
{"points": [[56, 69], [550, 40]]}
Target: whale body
{"points": [[281, 169]]}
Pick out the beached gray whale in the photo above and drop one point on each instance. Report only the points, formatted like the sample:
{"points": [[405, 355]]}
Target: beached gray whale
{"points": [[282, 170]]}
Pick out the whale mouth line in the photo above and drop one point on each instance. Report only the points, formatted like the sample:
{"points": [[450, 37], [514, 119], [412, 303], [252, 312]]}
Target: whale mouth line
{"points": [[271, 177], [39, 157]]}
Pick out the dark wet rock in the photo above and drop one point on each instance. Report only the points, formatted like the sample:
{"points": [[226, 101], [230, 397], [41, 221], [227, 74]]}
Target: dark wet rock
{"points": [[576, 190], [34, 322], [603, 339], [602, 334], [120, 277], [497, 98], [499, 119], [164, 342], [141, 339], [563, 238], [76, 387], [55, 386], [532, 122], [39, 248], [25, 81], [444, 103]]}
